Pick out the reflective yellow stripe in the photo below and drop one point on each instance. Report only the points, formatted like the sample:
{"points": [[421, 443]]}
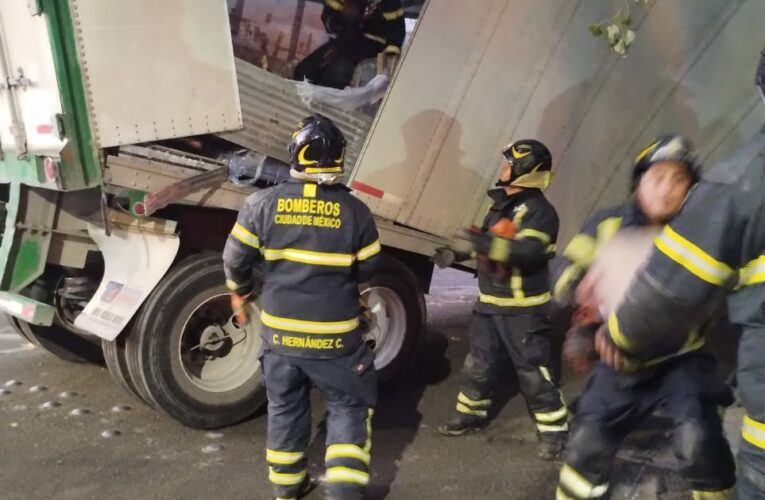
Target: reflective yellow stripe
{"points": [[621, 341], [346, 475], [392, 49], [462, 397], [552, 428], [335, 4], [369, 251], [374, 37], [753, 432], [607, 228], [551, 416], [499, 249], [581, 250], [464, 409], [283, 457], [323, 170], [347, 451], [753, 272], [297, 325], [309, 190], [536, 300], [242, 234], [566, 280], [692, 258], [285, 479], [546, 374], [533, 233], [232, 285], [561, 495], [393, 15], [516, 284], [368, 444], [713, 495], [309, 257], [579, 486]]}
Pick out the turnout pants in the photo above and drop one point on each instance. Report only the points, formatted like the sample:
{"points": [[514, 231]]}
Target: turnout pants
{"points": [[750, 378], [613, 403], [349, 385], [526, 339], [333, 64]]}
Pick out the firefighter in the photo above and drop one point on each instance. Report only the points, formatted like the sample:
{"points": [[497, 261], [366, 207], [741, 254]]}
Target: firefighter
{"points": [[514, 245], [685, 386], [358, 29], [317, 243], [717, 242]]}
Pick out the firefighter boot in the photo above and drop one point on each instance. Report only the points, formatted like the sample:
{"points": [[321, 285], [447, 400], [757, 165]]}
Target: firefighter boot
{"points": [[461, 424], [551, 444], [307, 486]]}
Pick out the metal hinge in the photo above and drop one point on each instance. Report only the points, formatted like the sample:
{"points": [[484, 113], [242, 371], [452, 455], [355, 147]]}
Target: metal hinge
{"points": [[20, 82]]}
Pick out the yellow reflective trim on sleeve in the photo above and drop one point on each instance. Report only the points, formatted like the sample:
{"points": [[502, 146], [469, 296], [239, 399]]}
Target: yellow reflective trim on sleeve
{"points": [[368, 444], [346, 475], [546, 373], [533, 233], [607, 228], [302, 326], [713, 495], [561, 495], [516, 284], [309, 257], [286, 479], [369, 251], [520, 214], [552, 428], [393, 14], [692, 258], [309, 190], [499, 249], [335, 4], [551, 416], [392, 50], [753, 432], [618, 338], [567, 278], [347, 451], [753, 273], [581, 250], [374, 38], [578, 485], [232, 285], [242, 234], [536, 300], [283, 457], [464, 398], [464, 409]]}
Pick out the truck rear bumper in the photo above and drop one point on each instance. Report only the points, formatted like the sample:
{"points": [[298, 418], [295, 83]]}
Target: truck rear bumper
{"points": [[26, 309]]}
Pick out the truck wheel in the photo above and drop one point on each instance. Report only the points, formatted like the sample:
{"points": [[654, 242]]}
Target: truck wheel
{"points": [[187, 354], [58, 340], [400, 317], [15, 324], [116, 363]]}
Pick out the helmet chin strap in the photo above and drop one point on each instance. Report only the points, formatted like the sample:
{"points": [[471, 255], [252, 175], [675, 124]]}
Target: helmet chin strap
{"points": [[318, 178]]}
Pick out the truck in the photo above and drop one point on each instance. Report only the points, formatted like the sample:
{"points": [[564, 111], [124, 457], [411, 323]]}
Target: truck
{"points": [[120, 124]]}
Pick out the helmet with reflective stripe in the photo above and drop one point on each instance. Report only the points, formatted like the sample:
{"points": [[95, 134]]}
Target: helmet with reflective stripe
{"points": [[531, 164], [317, 147], [667, 148]]}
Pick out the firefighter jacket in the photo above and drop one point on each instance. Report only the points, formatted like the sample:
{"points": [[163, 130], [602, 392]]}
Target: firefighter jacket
{"points": [[581, 250], [716, 242], [524, 286], [379, 21], [317, 244]]}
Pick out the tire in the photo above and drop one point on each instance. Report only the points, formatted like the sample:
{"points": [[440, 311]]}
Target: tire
{"points": [[63, 343], [202, 389], [116, 363], [15, 323], [400, 319]]}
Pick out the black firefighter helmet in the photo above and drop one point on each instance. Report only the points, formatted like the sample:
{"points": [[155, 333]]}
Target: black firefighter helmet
{"points": [[667, 148], [530, 162], [317, 146]]}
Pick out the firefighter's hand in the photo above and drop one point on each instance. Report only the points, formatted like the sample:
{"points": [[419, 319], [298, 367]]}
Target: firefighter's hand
{"points": [[579, 348], [239, 305], [495, 248], [608, 352]]}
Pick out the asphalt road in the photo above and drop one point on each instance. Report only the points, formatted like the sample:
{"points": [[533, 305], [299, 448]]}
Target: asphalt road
{"points": [[69, 432]]}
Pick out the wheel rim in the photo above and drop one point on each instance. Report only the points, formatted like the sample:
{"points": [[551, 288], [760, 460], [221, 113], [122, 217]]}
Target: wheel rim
{"points": [[216, 354], [388, 329]]}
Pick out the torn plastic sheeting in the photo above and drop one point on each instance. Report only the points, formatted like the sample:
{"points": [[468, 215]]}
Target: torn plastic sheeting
{"points": [[245, 168], [348, 99]]}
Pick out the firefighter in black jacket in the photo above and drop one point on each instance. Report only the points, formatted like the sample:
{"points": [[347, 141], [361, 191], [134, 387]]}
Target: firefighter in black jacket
{"points": [[684, 383], [317, 243], [716, 243], [359, 29], [511, 317]]}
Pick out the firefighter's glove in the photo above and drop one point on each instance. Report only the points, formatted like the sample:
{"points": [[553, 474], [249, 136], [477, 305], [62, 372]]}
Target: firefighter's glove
{"points": [[366, 318], [607, 350], [579, 347], [444, 257], [240, 307], [494, 248]]}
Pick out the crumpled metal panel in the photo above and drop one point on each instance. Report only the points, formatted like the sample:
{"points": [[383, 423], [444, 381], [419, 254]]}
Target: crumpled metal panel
{"points": [[271, 108]]}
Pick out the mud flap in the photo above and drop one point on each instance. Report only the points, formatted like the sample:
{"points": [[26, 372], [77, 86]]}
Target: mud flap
{"points": [[136, 256]]}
